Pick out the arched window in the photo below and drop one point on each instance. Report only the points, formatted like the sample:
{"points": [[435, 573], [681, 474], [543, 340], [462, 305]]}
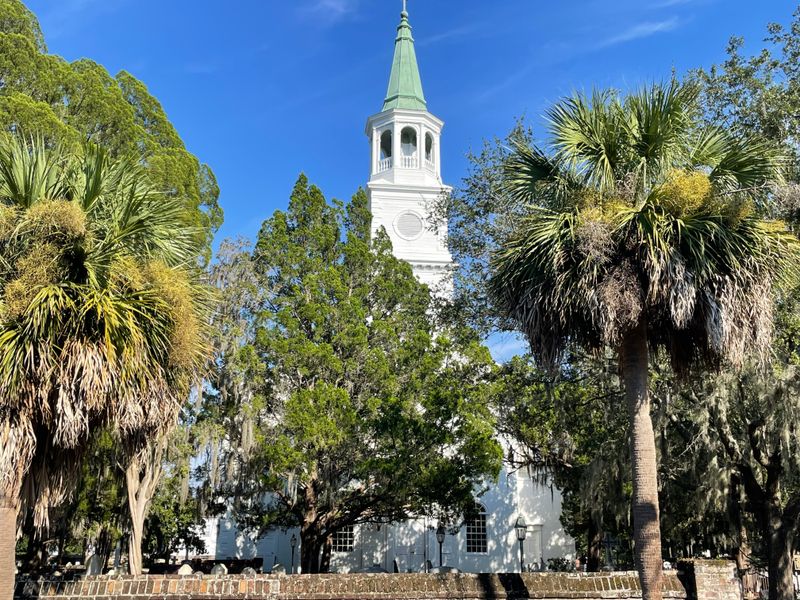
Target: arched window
{"points": [[477, 537], [408, 141], [428, 147], [386, 144]]}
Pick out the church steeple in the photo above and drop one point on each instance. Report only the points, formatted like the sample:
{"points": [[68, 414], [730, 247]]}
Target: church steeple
{"points": [[406, 173], [405, 84]]}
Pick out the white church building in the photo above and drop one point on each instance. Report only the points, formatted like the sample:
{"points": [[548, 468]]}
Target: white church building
{"points": [[405, 179]]}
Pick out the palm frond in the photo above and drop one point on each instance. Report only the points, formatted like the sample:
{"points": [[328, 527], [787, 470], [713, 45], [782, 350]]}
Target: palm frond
{"points": [[531, 177], [588, 137], [749, 166], [31, 172], [688, 254], [658, 122], [109, 330]]}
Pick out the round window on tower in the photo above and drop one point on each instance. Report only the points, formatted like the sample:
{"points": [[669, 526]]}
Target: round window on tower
{"points": [[409, 225]]}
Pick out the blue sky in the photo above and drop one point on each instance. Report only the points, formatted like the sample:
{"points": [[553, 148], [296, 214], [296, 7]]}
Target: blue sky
{"points": [[264, 89]]}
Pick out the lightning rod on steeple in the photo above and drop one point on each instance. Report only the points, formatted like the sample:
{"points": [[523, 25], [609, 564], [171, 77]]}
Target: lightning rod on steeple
{"points": [[405, 6]]}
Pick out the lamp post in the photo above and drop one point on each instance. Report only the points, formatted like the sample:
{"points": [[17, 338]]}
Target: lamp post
{"points": [[522, 531], [293, 542], [440, 533]]}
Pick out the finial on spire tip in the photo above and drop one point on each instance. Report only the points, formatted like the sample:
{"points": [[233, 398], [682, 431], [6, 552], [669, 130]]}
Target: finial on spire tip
{"points": [[405, 7]]}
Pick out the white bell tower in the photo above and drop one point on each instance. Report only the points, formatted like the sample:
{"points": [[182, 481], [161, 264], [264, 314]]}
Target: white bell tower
{"points": [[406, 174]]}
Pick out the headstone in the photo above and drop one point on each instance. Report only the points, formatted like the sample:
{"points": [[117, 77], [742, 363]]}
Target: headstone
{"points": [[444, 569], [185, 570], [219, 569], [278, 569], [249, 571], [94, 566]]}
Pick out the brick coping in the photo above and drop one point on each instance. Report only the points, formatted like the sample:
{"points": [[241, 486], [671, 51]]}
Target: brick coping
{"points": [[359, 586]]}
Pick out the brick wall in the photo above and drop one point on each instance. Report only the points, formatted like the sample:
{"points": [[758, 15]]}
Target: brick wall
{"points": [[710, 580], [695, 581], [620, 586]]}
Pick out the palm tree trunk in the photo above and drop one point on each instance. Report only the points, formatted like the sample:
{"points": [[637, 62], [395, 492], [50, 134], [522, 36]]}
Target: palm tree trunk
{"points": [[646, 526], [135, 541], [142, 476], [8, 546]]}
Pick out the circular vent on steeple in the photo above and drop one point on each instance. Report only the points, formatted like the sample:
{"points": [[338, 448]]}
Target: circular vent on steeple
{"points": [[409, 225]]}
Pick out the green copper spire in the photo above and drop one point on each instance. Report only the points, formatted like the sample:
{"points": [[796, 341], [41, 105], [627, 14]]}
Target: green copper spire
{"points": [[405, 84]]}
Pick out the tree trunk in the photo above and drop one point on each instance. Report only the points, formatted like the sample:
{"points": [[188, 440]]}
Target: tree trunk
{"points": [[743, 551], [327, 550], [8, 546], [135, 540], [646, 526], [594, 545], [103, 545], [142, 476], [309, 551], [781, 568]]}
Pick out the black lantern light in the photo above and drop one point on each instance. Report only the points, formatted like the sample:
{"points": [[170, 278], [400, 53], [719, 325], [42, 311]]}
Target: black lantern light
{"points": [[522, 531], [440, 533]]}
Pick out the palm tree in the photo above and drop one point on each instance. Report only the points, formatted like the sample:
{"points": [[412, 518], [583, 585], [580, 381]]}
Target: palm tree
{"points": [[100, 318], [644, 233]]}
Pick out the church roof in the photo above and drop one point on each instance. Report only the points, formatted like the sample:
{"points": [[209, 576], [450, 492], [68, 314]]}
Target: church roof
{"points": [[405, 84]]}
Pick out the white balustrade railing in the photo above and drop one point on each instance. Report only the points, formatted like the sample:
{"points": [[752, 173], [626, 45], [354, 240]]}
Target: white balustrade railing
{"points": [[409, 162], [406, 162]]}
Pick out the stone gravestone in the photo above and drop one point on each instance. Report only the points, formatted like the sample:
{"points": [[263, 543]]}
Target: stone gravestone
{"points": [[278, 569], [249, 571], [185, 570], [219, 569], [94, 566]]}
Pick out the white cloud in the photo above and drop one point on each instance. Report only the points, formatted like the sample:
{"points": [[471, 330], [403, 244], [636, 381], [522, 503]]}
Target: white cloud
{"points": [[640, 31], [331, 11], [455, 33]]}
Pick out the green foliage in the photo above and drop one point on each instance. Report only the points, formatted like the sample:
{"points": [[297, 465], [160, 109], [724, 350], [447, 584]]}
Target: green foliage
{"points": [[618, 229], [747, 423], [572, 433], [97, 512], [173, 525], [369, 413], [69, 103], [16, 18], [480, 216], [173, 520], [758, 93], [98, 290]]}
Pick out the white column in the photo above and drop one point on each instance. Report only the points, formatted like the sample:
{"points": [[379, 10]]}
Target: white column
{"points": [[437, 152], [376, 150], [397, 149], [420, 147]]}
